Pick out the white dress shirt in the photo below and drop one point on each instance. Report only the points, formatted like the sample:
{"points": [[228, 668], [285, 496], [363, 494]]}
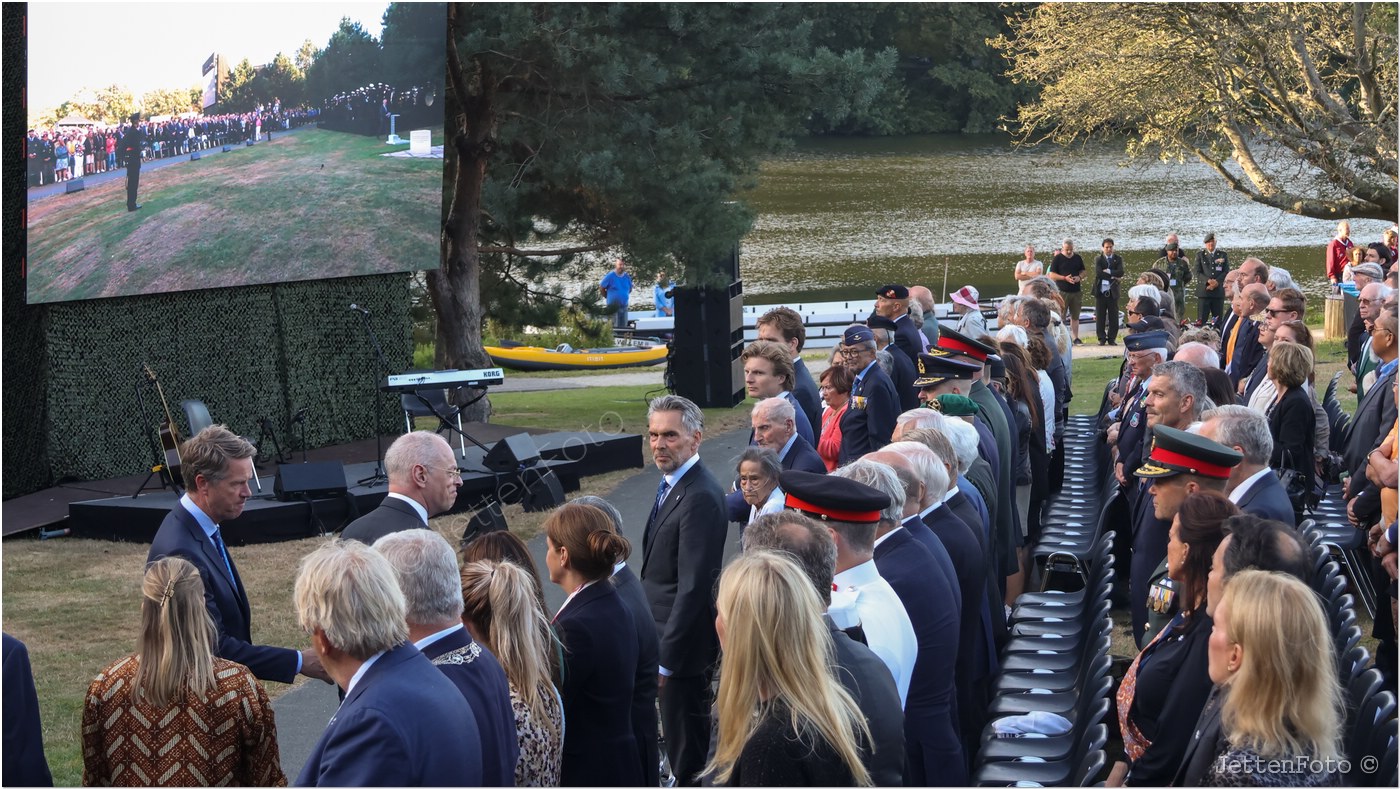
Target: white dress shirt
{"points": [[861, 597]]}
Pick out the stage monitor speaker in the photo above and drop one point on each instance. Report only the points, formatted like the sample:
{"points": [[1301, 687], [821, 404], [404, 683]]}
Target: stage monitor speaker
{"points": [[488, 519], [512, 453], [322, 479], [543, 491], [194, 157], [73, 185], [228, 148]]}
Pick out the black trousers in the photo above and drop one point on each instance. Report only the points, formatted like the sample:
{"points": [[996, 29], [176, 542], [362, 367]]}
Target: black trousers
{"points": [[1209, 308], [1106, 319], [685, 720], [133, 180]]}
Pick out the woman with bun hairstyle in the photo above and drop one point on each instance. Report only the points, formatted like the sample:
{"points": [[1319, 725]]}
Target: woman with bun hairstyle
{"points": [[600, 648]]}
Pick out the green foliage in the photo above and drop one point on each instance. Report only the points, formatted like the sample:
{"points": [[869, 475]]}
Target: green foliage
{"points": [[949, 78], [281, 81], [629, 128], [350, 60], [170, 101], [1292, 104], [414, 44], [237, 93]]}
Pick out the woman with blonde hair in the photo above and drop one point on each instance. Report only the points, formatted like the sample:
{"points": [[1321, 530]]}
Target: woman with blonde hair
{"points": [[501, 611], [174, 714], [1272, 656], [1291, 418], [784, 718]]}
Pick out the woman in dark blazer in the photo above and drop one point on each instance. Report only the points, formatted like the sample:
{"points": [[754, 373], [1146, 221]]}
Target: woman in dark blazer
{"points": [[600, 649], [1165, 688], [1291, 418]]}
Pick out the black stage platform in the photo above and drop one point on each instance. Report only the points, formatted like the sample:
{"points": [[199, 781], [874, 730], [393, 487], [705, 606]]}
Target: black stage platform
{"points": [[569, 455]]}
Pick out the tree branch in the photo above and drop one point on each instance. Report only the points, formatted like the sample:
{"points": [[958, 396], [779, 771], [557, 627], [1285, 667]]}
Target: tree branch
{"points": [[545, 253]]}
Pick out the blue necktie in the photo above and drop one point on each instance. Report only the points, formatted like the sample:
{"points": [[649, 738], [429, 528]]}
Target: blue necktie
{"points": [[219, 543], [661, 491]]}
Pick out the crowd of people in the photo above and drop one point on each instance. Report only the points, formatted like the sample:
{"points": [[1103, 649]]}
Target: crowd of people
{"points": [[60, 153], [886, 510]]}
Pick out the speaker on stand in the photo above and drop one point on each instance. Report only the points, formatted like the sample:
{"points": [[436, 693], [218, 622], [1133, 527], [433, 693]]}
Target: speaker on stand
{"points": [[708, 339]]}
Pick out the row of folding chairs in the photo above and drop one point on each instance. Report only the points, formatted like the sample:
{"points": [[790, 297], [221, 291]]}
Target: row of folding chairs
{"points": [[1057, 658], [1369, 731]]}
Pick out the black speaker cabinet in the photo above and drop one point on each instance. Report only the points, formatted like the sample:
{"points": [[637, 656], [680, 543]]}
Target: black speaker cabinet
{"points": [[321, 479], [709, 337], [511, 453]]}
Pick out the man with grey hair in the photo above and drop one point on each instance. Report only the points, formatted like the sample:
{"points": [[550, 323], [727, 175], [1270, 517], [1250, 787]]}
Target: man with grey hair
{"points": [[861, 671], [932, 745], [774, 427], [1252, 271], [629, 588], [918, 294], [1253, 486], [1198, 354], [1280, 279], [430, 579], [1360, 360], [402, 723], [1241, 348], [423, 482], [682, 551]]}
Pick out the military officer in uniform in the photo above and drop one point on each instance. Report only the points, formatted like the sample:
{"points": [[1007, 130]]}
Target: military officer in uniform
{"points": [[133, 142], [1180, 464], [1178, 276], [1212, 264], [869, 419]]}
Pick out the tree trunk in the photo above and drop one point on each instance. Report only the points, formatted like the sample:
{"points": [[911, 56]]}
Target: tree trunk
{"points": [[456, 287]]}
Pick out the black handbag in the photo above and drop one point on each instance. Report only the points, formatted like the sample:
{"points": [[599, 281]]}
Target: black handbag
{"points": [[1295, 484]]}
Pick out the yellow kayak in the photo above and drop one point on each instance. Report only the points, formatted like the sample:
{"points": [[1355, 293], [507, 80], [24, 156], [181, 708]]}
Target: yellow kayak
{"points": [[529, 357]]}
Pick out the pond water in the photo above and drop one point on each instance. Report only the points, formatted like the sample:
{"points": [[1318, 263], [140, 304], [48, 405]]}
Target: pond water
{"points": [[836, 218]]}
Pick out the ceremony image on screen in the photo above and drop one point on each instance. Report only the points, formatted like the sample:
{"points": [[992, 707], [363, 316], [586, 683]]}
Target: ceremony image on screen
{"points": [[220, 146]]}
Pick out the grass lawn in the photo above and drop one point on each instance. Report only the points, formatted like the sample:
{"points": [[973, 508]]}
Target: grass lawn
{"points": [[250, 216], [76, 602]]}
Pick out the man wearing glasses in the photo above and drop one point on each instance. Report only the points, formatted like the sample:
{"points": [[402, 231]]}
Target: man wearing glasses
{"points": [[423, 482], [1373, 297], [869, 419]]}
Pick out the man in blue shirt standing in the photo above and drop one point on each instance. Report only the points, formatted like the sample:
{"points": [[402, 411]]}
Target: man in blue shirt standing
{"points": [[617, 288]]}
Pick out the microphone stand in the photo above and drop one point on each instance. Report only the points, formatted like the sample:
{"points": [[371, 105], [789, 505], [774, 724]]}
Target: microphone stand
{"points": [[379, 476]]}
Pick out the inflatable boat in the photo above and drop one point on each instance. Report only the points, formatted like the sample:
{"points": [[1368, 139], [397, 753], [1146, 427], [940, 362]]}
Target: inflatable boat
{"points": [[564, 357]]}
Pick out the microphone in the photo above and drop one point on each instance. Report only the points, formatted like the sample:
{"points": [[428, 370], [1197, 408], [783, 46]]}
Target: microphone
{"points": [[359, 309]]}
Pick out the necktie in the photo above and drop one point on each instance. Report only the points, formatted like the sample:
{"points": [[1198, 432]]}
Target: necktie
{"points": [[1234, 335], [661, 491], [219, 543]]}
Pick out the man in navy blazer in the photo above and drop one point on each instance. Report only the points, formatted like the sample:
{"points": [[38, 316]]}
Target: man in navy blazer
{"points": [[423, 482], [217, 466], [430, 578], [1247, 349], [25, 764], [933, 751], [1253, 486], [403, 722], [682, 550]]}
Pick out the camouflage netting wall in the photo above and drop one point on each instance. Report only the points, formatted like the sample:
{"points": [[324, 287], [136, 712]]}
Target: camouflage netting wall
{"points": [[246, 352]]}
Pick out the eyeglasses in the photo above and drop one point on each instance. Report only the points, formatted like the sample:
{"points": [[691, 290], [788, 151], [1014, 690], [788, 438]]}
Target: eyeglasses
{"points": [[452, 471], [1134, 312], [1379, 327], [852, 353], [1273, 312]]}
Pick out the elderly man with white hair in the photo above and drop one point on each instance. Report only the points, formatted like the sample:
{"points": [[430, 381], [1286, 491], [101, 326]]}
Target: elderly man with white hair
{"points": [[1373, 297], [423, 482], [1198, 354], [430, 578], [1252, 486], [402, 723]]}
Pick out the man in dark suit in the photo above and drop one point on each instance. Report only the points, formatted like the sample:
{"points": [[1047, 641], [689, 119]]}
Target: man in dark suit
{"points": [[869, 420], [1253, 486], [429, 576], [934, 753], [423, 482], [1241, 348], [784, 326], [25, 764], [629, 588], [402, 723], [1374, 416], [682, 550], [859, 669], [901, 369], [217, 466]]}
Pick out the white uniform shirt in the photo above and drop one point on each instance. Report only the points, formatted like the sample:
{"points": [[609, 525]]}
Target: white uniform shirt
{"points": [[861, 597]]}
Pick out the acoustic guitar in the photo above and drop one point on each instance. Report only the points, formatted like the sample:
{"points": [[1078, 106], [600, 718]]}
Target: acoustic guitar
{"points": [[169, 434]]}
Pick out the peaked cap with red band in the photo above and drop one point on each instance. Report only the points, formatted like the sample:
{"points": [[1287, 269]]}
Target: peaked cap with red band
{"points": [[960, 344], [1179, 452], [831, 498]]}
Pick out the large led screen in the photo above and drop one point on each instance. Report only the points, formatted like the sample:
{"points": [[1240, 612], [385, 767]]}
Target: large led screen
{"points": [[194, 146]]}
